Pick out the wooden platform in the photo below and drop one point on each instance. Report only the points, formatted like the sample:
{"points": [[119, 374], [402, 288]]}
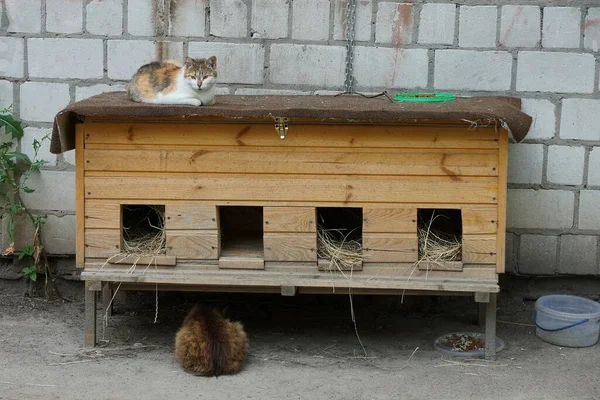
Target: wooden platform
{"points": [[275, 275]]}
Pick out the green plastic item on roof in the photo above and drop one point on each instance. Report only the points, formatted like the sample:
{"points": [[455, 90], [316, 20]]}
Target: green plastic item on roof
{"points": [[424, 97]]}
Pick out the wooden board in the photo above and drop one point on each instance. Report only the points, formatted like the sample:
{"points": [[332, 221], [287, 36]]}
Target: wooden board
{"points": [[327, 265], [390, 219], [502, 188], [299, 135], [479, 249], [479, 219], [194, 244], [394, 277], [79, 197], [256, 160], [290, 246], [103, 243], [145, 260], [345, 190], [441, 266], [289, 219], [102, 214], [191, 216], [390, 247], [241, 263]]}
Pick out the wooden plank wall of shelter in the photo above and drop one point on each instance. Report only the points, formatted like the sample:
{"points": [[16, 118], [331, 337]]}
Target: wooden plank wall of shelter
{"points": [[389, 171]]}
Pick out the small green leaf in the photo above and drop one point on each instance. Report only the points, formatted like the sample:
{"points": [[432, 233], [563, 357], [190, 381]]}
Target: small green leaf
{"points": [[26, 251], [13, 126], [30, 272], [27, 190]]}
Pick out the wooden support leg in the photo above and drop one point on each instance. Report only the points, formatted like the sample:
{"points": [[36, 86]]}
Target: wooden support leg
{"points": [[90, 315], [490, 328], [288, 290], [107, 295], [481, 299], [481, 313]]}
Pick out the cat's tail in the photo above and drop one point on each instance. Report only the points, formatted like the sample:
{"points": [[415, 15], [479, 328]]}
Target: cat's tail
{"points": [[213, 326]]}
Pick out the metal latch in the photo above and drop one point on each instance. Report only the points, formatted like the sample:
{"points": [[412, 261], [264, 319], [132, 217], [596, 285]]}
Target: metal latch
{"points": [[281, 126]]}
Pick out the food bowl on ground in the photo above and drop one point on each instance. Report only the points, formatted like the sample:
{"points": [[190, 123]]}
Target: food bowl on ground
{"points": [[464, 344], [569, 321]]}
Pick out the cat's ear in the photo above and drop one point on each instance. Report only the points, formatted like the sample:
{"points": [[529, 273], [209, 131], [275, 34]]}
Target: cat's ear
{"points": [[188, 61], [212, 62]]}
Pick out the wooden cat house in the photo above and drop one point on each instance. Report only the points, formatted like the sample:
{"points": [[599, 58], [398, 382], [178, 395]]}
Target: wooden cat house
{"points": [[243, 191]]}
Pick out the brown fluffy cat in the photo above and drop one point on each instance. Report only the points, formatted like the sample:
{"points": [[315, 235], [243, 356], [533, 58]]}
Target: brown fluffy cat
{"points": [[169, 82], [208, 344]]}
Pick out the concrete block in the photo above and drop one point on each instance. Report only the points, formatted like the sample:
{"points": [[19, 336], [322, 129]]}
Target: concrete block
{"points": [[362, 26], [58, 234], [589, 204], [543, 113], [578, 255], [436, 24], [40, 101], [327, 92], [579, 119], [394, 68], [472, 70], [269, 92], [562, 27], [140, 18], [269, 19], [394, 23], [310, 20], [222, 90], [187, 18], [6, 94], [477, 26], [23, 15], [307, 65], [540, 209], [228, 18], [537, 255], [594, 167], [555, 72], [126, 56], [565, 165], [230, 56], [42, 135], [64, 16], [83, 92], [591, 29], [54, 190], [525, 163], [12, 55], [104, 17], [510, 259], [65, 58], [520, 26]]}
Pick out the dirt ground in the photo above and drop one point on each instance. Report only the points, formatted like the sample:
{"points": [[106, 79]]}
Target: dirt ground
{"points": [[302, 347]]}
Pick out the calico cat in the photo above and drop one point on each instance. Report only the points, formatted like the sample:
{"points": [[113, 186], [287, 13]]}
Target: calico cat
{"points": [[208, 344], [169, 82]]}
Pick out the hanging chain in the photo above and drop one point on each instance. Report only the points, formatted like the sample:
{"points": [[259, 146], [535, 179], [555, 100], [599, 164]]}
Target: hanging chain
{"points": [[350, 19]]}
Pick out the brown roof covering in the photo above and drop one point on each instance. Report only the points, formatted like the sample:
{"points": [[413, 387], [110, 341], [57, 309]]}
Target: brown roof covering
{"points": [[505, 110]]}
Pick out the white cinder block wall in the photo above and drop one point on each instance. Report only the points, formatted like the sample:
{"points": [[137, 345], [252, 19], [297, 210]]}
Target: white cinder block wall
{"points": [[55, 52]]}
